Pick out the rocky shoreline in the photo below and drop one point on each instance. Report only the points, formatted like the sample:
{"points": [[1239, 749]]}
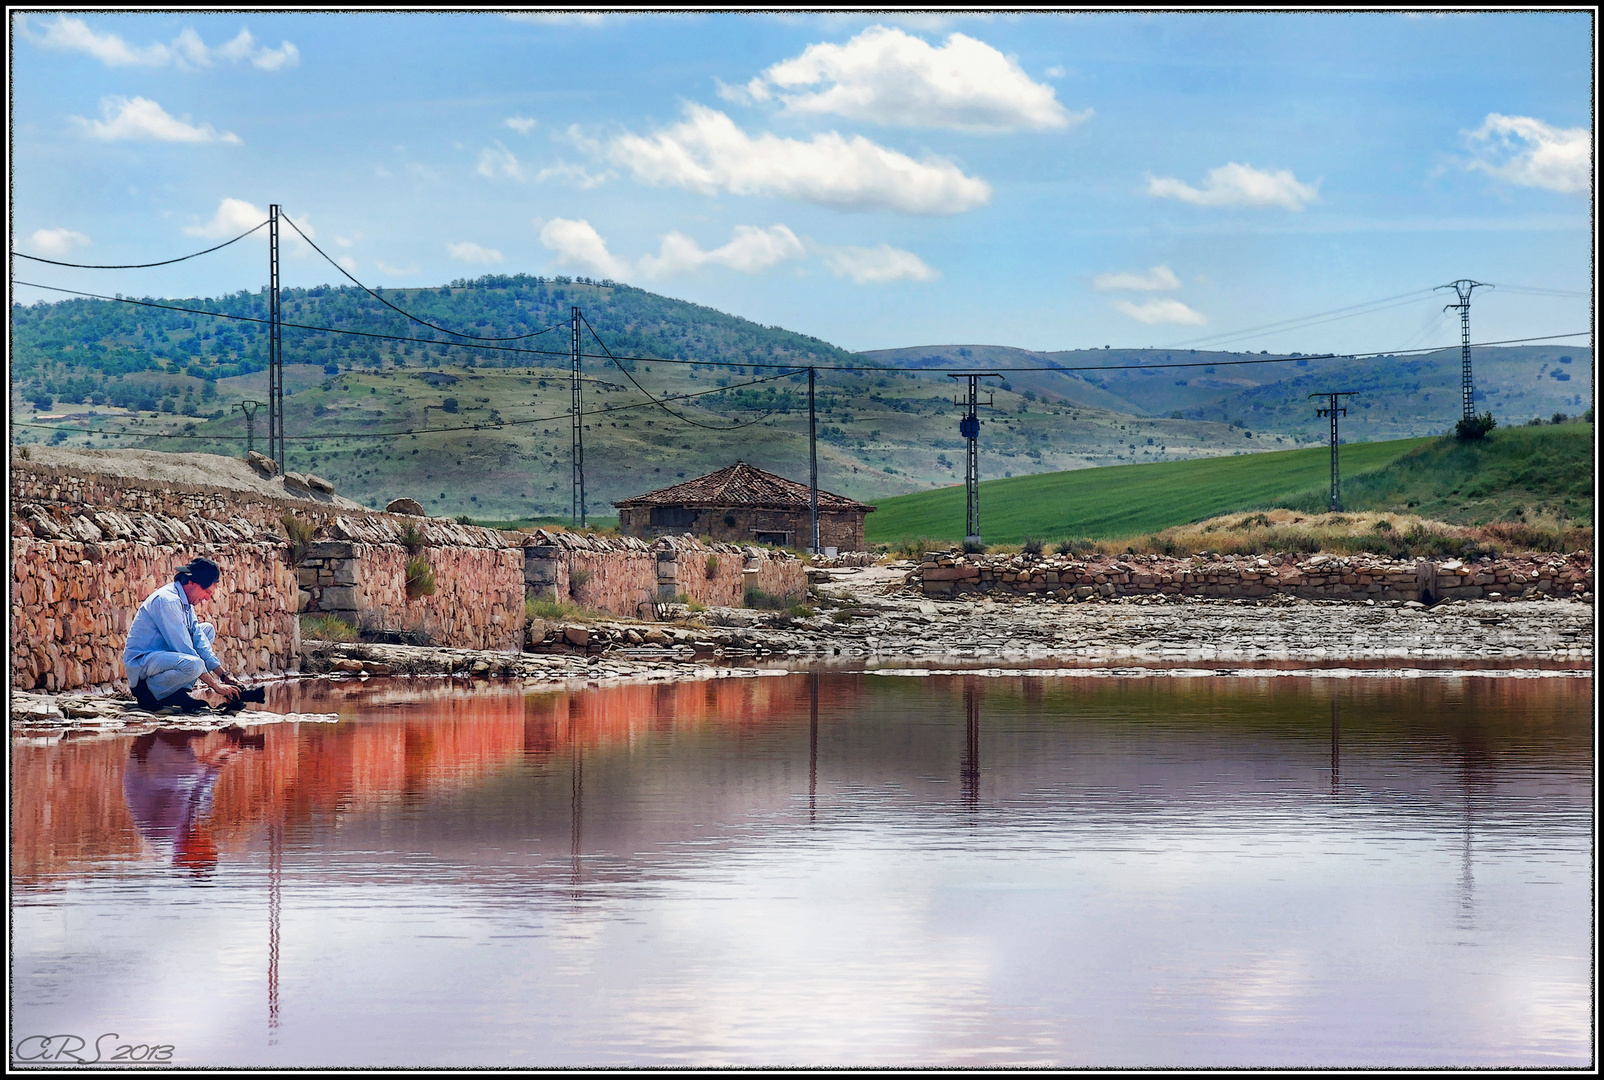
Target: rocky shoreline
{"points": [[868, 617]]}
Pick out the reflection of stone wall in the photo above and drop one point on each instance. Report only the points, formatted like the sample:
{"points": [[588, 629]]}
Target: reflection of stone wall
{"points": [[72, 603], [1354, 577]]}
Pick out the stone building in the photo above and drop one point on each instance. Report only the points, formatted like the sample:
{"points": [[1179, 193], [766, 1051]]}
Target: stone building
{"points": [[742, 504]]}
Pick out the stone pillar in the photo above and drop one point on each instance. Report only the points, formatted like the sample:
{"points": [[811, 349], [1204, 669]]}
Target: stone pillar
{"points": [[667, 576], [540, 572], [1426, 581], [330, 578]]}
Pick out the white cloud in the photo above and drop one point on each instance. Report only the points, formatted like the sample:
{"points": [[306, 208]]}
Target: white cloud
{"points": [[707, 153], [580, 246], [386, 268], [1239, 185], [887, 76], [348, 262], [1161, 311], [878, 265], [141, 118], [750, 250], [186, 52], [235, 216], [557, 18], [577, 175], [57, 241], [523, 125], [1531, 153], [469, 252], [1057, 71], [499, 161], [1160, 277]]}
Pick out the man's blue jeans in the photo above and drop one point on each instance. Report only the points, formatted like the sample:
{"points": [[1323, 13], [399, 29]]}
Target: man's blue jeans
{"points": [[166, 673]]}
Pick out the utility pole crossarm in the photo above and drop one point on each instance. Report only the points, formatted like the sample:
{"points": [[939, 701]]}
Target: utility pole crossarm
{"points": [[969, 428], [1467, 390], [1334, 409]]}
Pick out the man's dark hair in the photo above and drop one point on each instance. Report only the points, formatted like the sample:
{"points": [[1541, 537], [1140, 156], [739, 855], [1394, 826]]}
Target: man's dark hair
{"points": [[202, 572]]}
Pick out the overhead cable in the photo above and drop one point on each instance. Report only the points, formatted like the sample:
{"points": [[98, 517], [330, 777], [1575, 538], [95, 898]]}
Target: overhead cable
{"points": [[138, 266], [408, 314]]}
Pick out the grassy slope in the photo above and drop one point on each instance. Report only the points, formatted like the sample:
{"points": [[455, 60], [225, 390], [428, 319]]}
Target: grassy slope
{"points": [[1540, 469]]}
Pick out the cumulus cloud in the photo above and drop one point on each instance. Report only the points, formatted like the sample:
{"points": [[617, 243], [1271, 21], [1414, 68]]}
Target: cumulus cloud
{"points": [[348, 262], [499, 161], [581, 247], [1239, 185], [878, 265], [395, 271], [1528, 152], [469, 252], [141, 118], [577, 175], [708, 153], [1161, 311], [749, 250], [1158, 278], [886, 76], [235, 216], [187, 51], [523, 125], [57, 241]]}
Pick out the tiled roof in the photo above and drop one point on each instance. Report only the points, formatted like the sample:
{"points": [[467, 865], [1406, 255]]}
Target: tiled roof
{"points": [[742, 485]]}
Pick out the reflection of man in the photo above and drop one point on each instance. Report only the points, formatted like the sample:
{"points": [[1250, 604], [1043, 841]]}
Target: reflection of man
{"points": [[168, 650], [168, 785]]}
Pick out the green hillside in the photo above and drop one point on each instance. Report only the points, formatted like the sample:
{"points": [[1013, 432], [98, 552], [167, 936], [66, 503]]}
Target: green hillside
{"points": [[1545, 469]]}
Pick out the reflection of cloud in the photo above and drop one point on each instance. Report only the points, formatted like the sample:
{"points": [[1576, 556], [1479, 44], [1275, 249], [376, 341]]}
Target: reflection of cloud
{"points": [[890, 77], [1160, 277], [1238, 185], [1161, 311], [1533, 154], [707, 153], [141, 118]]}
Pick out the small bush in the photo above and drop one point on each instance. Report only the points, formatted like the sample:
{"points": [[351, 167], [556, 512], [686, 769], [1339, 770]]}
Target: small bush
{"points": [[576, 581], [299, 534], [1474, 428], [326, 628], [799, 611], [695, 607], [1032, 545], [915, 549], [1382, 525], [1076, 547], [972, 548], [550, 609], [412, 538], [757, 598], [712, 566], [420, 577]]}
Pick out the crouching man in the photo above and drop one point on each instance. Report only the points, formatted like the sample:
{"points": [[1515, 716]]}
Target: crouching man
{"points": [[168, 651]]}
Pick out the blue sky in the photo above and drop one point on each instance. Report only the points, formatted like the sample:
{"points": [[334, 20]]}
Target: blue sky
{"points": [[1043, 181]]}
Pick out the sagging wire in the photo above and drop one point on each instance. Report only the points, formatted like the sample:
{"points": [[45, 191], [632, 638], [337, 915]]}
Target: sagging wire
{"points": [[138, 266]]}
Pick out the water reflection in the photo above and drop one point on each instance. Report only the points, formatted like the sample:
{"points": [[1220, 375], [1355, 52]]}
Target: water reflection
{"points": [[1159, 873]]}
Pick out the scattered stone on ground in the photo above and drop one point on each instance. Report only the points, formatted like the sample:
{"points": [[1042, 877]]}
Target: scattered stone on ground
{"points": [[404, 505]]}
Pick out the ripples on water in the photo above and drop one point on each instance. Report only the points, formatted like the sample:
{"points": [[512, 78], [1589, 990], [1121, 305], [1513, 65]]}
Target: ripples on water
{"points": [[841, 869]]}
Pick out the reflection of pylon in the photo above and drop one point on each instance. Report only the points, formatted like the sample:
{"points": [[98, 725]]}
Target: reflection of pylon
{"points": [[1463, 288], [1334, 410]]}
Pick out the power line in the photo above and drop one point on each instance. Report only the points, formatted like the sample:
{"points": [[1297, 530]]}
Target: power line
{"points": [[1291, 324], [794, 368], [138, 266], [492, 425], [408, 314], [694, 423]]}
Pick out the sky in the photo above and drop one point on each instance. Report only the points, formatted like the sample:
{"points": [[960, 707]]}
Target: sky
{"points": [[1273, 180]]}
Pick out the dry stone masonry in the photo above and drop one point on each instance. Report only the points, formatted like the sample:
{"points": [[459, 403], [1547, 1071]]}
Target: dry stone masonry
{"points": [[1307, 577]]}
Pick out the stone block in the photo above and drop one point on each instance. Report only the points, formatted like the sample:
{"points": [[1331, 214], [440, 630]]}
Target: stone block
{"points": [[953, 573], [331, 549], [403, 505], [338, 598]]}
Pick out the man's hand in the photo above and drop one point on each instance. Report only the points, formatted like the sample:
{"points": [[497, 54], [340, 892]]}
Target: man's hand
{"points": [[229, 688]]}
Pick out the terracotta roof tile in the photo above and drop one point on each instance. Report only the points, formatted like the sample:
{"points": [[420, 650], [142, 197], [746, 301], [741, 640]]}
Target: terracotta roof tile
{"points": [[742, 485]]}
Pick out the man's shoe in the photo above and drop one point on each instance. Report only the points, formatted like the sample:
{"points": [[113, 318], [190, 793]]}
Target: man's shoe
{"points": [[144, 697], [184, 703]]}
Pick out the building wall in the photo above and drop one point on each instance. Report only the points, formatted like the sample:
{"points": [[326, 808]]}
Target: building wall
{"points": [[837, 529]]}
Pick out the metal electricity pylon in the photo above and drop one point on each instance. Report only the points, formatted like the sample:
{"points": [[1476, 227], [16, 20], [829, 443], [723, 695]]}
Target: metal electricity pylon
{"points": [[275, 347], [1334, 410], [249, 408], [577, 408], [969, 428], [1463, 288]]}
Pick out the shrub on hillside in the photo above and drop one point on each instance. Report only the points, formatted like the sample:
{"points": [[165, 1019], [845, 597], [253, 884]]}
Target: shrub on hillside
{"points": [[1474, 428]]}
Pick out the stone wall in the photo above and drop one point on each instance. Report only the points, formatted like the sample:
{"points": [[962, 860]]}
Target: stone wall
{"points": [[741, 525], [1312, 577], [72, 603], [625, 575]]}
